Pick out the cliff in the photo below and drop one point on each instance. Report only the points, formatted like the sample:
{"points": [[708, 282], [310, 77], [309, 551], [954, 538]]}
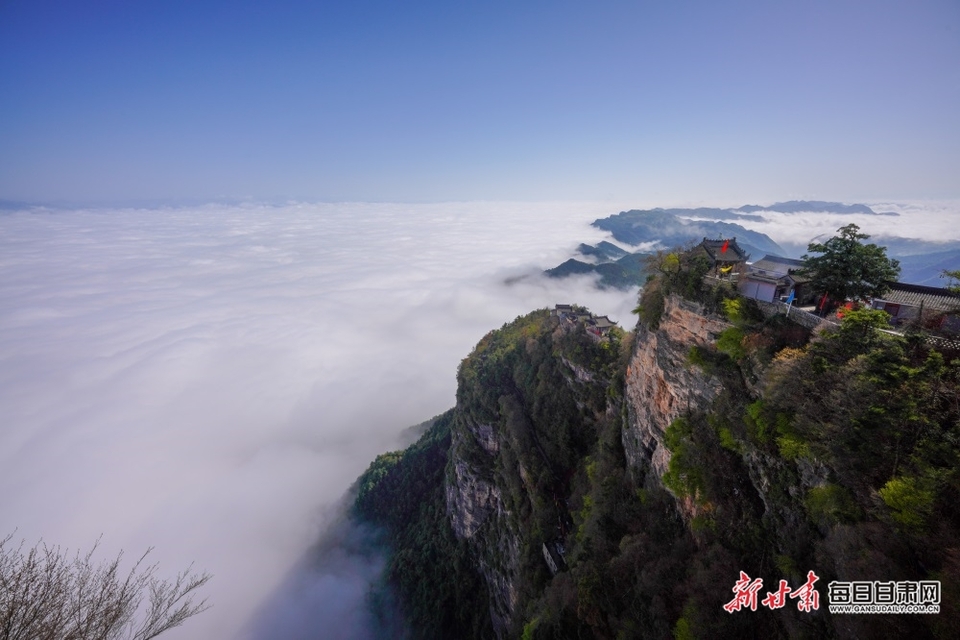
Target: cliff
{"points": [[530, 403], [661, 384], [618, 487]]}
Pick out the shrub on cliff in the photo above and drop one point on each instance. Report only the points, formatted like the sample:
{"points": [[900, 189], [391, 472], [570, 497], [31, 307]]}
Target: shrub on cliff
{"points": [[651, 304]]}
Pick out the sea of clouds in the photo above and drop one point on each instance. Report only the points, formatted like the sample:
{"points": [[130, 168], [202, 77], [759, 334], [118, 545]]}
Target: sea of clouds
{"points": [[209, 381]]}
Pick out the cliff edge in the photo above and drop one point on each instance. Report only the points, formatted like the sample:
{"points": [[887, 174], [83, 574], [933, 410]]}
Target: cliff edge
{"points": [[620, 485]]}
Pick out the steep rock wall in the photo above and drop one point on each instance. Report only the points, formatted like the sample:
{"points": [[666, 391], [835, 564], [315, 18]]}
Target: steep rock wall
{"points": [[660, 383], [478, 514], [528, 401]]}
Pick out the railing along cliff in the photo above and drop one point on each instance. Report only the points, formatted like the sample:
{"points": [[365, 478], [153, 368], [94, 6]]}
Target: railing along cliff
{"points": [[812, 321], [801, 317]]}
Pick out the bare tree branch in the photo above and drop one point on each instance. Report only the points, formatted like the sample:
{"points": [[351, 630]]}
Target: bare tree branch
{"points": [[45, 595]]}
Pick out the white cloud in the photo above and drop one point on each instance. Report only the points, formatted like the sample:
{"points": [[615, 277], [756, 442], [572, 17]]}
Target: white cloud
{"points": [[209, 381], [935, 221]]}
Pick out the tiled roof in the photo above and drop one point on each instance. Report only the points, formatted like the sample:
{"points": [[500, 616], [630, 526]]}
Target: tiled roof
{"points": [[714, 249], [773, 278], [778, 266], [915, 294], [790, 263]]}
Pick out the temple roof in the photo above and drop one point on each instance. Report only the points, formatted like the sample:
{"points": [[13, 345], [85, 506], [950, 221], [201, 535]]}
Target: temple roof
{"points": [[777, 264], [732, 253], [916, 294], [603, 322], [778, 267]]}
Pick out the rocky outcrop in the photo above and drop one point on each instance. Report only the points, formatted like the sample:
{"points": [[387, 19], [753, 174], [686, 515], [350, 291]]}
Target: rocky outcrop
{"points": [[561, 531], [470, 498], [485, 436], [527, 396], [661, 385], [581, 373], [477, 514]]}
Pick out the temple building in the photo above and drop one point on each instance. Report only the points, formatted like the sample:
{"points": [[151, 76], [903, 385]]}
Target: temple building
{"points": [[727, 258], [774, 278]]}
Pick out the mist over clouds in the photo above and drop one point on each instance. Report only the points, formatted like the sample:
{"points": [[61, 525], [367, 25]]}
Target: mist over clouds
{"points": [[209, 381]]}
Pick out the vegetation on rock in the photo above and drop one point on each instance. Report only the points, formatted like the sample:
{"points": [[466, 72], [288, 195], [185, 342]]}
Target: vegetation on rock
{"points": [[442, 594]]}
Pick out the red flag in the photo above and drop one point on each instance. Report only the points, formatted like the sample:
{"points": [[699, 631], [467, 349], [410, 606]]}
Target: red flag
{"points": [[726, 245]]}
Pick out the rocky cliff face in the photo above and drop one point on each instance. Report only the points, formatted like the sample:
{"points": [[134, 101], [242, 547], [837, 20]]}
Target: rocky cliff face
{"points": [[478, 515], [661, 384], [505, 467], [527, 402], [560, 443], [500, 471]]}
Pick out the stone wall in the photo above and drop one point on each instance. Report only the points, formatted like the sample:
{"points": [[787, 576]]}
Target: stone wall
{"points": [[803, 318]]}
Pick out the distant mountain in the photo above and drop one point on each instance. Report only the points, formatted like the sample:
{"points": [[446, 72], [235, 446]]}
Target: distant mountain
{"points": [[814, 206], [14, 205], [921, 261], [627, 271], [898, 247], [926, 268], [671, 228], [571, 267], [668, 228], [712, 213], [604, 251]]}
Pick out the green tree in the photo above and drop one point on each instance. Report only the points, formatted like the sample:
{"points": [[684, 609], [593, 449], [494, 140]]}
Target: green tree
{"points": [[666, 263], [848, 269], [910, 501]]}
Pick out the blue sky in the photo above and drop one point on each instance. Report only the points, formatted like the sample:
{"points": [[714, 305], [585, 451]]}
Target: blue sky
{"points": [[666, 102]]}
